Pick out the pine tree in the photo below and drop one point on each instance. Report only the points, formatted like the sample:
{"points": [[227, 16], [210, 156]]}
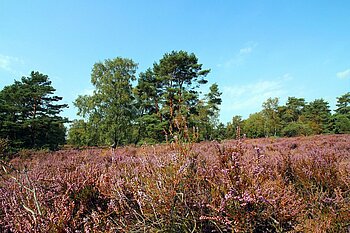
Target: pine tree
{"points": [[30, 113]]}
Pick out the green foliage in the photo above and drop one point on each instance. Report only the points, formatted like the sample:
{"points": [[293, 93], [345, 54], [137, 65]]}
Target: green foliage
{"points": [[178, 75], [292, 110], [78, 133], [340, 121], [340, 124], [294, 129], [164, 103], [29, 113], [343, 104], [109, 111], [318, 115], [148, 94], [149, 129], [215, 130], [214, 100], [272, 120], [253, 127], [297, 118], [231, 128]]}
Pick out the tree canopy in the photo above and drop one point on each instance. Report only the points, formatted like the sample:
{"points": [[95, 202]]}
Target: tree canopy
{"points": [[165, 102], [110, 109], [29, 113]]}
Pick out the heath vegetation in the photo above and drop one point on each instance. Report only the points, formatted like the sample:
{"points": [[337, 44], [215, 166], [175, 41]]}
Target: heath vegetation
{"points": [[256, 185]]}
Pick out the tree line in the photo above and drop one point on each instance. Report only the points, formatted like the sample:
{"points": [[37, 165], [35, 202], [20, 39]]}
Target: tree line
{"points": [[163, 103], [295, 118]]}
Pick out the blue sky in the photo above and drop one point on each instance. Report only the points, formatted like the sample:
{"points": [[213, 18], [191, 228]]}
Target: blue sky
{"points": [[255, 49]]}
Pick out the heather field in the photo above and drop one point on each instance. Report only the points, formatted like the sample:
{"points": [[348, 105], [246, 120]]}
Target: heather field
{"points": [[262, 185]]}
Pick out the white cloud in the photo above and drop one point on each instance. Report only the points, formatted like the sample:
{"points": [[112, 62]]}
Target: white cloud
{"points": [[286, 77], [7, 63], [4, 62], [344, 74], [246, 50], [248, 98], [239, 58]]}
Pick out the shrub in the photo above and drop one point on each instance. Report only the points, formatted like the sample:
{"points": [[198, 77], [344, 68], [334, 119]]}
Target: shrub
{"points": [[294, 129]]}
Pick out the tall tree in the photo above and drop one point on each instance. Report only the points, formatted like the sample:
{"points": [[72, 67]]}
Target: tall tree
{"points": [[180, 75], [253, 127], [30, 113], [110, 110], [148, 92], [340, 124], [318, 114], [343, 104], [213, 102], [340, 121], [292, 110], [270, 112], [12, 112]]}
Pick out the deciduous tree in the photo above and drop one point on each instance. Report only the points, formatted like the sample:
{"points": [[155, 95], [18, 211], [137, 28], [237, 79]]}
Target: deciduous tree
{"points": [[272, 120], [110, 110]]}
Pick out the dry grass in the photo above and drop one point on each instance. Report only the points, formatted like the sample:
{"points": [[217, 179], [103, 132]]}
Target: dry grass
{"points": [[264, 185]]}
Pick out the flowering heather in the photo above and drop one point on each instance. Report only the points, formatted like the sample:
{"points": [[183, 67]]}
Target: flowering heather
{"points": [[262, 185]]}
